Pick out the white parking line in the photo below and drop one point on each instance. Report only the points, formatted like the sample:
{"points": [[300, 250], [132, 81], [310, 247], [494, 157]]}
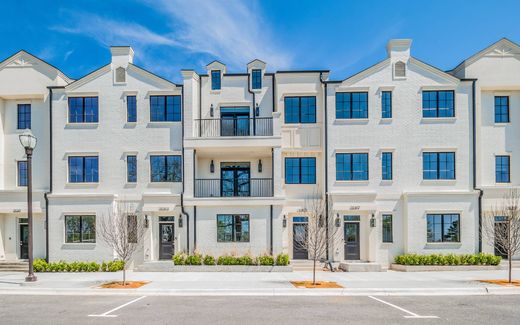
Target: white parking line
{"points": [[410, 314], [117, 308]]}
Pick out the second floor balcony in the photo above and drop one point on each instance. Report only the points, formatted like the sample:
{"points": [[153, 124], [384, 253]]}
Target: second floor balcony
{"points": [[241, 186], [236, 126]]}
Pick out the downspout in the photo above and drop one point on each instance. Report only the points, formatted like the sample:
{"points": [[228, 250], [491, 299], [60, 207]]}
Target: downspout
{"points": [[200, 106], [254, 101], [194, 207], [271, 233], [272, 193], [186, 215], [326, 166], [273, 80]]}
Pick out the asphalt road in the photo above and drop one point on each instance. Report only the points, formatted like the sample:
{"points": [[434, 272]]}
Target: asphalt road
{"points": [[259, 310]]}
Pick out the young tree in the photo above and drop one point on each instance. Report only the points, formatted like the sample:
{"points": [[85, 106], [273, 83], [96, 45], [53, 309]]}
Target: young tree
{"points": [[320, 233], [501, 227], [123, 231]]}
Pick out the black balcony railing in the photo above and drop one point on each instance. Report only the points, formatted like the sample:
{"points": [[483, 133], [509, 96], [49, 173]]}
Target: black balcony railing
{"points": [[234, 187], [234, 127]]}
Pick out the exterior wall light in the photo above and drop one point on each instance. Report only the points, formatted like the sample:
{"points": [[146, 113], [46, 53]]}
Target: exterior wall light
{"points": [[260, 165], [211, 167], [320, 221], [211, 113], [257, 110], [373, 221], [284, 221], [180, 221], [337, 222], [146, 222]]}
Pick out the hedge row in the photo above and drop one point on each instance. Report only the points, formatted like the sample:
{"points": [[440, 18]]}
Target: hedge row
{"points": [[199, 259], [449, 259], [40, 265]]}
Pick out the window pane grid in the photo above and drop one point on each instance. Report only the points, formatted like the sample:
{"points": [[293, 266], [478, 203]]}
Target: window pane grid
{"points": [[501, 109], [165, 168], [300, 109], [438, 165], [215, 80], [24, 116], [84, 169], [22, 173], [443, 228], [131, 105], [165, 108], [83, 109], [300, 170], [387, 228], [257, 79], [131, 168], [386, 104], [502, 169], [80, 229], [233, 228], [352, 105], [352, 166], [386, 166], [438, 103]]}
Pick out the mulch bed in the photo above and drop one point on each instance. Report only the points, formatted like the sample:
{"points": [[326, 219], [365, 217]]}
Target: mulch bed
{"points": [[119, 285], [318, 285], [503, 282]]}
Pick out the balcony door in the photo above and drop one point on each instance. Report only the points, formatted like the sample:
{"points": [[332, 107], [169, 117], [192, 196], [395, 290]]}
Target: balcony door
{"points": [[234, 121], [235, 179]]}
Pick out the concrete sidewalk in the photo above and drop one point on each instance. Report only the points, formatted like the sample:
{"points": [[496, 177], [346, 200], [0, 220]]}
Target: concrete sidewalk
{"points": [[215, 283]]}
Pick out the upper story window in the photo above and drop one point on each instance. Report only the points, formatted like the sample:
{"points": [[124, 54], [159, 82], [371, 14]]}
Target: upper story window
{"points": [[80, 229], [131, 109], [300, 109], [83, 109], [233, 228], [300, 170], [352, 166], [83, 169], [165, 168], [502, 170], [352, 105], [443, 228], [165, 108], [131, 169], [216, 79], [438, 165], [256, 82], [386, 104], [22, 173], [386, 166], [501, 109], [24, 116], [400, 69], [439, 103]]}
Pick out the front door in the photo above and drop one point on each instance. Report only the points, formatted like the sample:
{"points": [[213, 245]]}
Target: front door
{"points": [[235, 179], [24, 241], [166, 242], [234, 121], [351, 234], [300, 251]]}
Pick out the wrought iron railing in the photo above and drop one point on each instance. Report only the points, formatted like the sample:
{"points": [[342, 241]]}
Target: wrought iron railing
{"points": [[234, 127], [234, 187]]}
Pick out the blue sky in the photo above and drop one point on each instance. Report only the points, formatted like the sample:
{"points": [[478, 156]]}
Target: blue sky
{"points": [[169, 35]]}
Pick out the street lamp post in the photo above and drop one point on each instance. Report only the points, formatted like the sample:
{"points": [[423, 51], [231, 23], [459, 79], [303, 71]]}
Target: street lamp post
{"points": [[28, 141]]}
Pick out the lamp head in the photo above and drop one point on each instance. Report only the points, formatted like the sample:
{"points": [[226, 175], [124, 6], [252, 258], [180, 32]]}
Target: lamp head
{"points": [[28, 140]]}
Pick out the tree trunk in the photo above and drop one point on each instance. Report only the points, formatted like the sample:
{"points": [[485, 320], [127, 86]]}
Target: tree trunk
{"points": [[314, 271], [124, 276], [510, 262]]}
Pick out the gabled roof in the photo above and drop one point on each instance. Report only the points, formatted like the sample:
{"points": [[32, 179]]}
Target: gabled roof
{"points": [[215, 61], [18, 55], [256, 60]]}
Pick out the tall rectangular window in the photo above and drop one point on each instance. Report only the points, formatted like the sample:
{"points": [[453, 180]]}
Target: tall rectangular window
{"points": [[502, 170], [80, 229], [22, 173], [83, 110], [83, 169], [300, 109], [166, 168], [215, 80], [131, 109], [501, 109], [386, 104], [352, 166], [438, 103], [352, 105], [300, 170], [132, 228], [388, 236], [24, 116], [232, 228], [386, 165], [131, 169], [438, 165], [165, 108], [443, 228], [256, 81]]}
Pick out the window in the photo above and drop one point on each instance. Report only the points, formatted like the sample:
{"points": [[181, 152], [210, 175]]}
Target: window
{"points": [[443, 228], [256, 83], [438, 165], [386, 104], [438, 103], [83, 169], [24, 116], [352, 166], [165, 108], [166, 168], [386, 166], [400, 69], [22, 173], [232, 228], [300, 109], [83, 109], [352, 105], [387, 228], [501, 109], [132, 229], [502, 171], [300, 170], [131, 109], [131, 169], [80, 229], [215, 80]]}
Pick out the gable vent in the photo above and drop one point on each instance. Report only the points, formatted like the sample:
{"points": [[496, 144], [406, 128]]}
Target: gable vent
{"points": [[400, 69], [120, 75]]}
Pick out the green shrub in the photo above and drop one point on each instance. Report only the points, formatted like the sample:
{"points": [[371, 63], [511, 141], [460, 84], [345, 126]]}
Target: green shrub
{"points": [[195, 259], [449, 259], [228, 260], [209, 260], [265, 260], [245, 260], [179, 259], [40, 265], [282, 259]]}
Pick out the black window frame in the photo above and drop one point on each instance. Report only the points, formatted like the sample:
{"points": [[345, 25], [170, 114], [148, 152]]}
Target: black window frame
{"points": [[383, 166], [84, 115], [438, 169], [166, 180], [350, 111], [437, 101], [386, 239], [386, 103], [84, 170], [233, 226], [216, 75], [300, 121], [131, 178], [23, 115], [442, 234], [508, 169], [256, 78], [175, 114], [499, 107], [131, 109], [81, 240], [352, 170], [19, 175], [299, 159]]}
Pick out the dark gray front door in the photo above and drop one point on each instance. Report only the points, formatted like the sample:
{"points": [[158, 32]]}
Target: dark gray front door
{"points": [[24, 241], [166, 241], [351, 232], [300, 252]]}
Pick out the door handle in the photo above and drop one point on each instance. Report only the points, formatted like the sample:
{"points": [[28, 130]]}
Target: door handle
{"points": [[21, 243]]}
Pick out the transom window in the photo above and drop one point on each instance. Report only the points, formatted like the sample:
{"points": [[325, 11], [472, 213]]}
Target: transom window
{"points": [[131, 169], [300, 170], [438, 103], [387, 228], [131, 109], [83, 110], [501, 109], [443, 228], [300, 109], [215, 79], [386, 166], [352, 105], [83, 169], [22, 173], [232, 228], [438, 165], [165, 108], [166, 168], [24, 116], [502, 170], [386, 104], [256, 81], [80, 229], [352, 166]]}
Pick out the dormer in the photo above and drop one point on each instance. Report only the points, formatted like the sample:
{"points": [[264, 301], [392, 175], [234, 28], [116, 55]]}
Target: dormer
{"points": [[216, 70], [256, 71], [121, 57], [399, 53]]}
